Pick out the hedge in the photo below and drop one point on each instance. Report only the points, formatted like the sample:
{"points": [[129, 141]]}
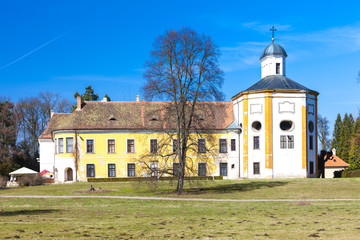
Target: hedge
{"points": [[131, 179], [351, 173]]}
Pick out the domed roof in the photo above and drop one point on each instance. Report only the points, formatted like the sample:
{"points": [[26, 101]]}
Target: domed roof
{"points": [[277, 82], [273, 49]]}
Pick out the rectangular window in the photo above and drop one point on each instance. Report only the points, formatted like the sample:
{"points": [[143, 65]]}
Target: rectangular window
{"points": [[61, 145], [154, 169], [256, 142], [111, 170], [311, 167], [287, 141], [111, 145], [175, 143], [176, 169], [277, 68], [69, 145], [56, 146], [290, 139], [283, 141], [233, 144], [222, 146], [153, 146], [256, 168], [131, 169], [89, 146], [90, 170], [202, 169], [201, 145], [311, 142], [223, 169], [131, 146]]}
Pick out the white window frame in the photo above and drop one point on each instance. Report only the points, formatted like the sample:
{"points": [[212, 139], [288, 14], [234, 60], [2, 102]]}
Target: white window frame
{"points": [[157, 145], [108, 169], [198, 145], [127, 145], [66, 145], [63, 150], [127, 169], [226, 145], [206, 168], [87, 169], [254, 142], [86, 152], [107, 145]]}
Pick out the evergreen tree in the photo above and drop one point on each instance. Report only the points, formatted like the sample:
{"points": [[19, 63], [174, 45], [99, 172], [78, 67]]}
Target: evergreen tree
{"points": [[345, 137], [337, 132], [107, 98], [8, 136], [354, 155]]}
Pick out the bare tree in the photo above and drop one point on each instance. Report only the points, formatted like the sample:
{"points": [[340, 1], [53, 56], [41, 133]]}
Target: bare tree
{"points": [[323, 133], [183, 69], [35, 115]]}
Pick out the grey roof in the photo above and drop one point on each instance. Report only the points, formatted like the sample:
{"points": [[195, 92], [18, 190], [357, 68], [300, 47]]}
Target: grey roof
{"points": [[273, 49], [234, 125], [277, 82]]}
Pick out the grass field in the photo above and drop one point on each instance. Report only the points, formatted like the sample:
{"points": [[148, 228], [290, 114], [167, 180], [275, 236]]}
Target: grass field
{"points": [[154, 219]]}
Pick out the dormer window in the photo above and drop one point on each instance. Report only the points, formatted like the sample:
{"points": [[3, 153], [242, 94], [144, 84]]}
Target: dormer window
{"points": [[277, 68], [112, 118]]}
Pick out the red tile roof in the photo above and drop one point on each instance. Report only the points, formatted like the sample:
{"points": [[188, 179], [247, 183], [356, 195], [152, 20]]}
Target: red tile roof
{"points": [[138, 115], [335, 161]]}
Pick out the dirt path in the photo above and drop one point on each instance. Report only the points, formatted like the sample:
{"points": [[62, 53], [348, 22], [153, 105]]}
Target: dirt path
{"points": [[189, 199]]}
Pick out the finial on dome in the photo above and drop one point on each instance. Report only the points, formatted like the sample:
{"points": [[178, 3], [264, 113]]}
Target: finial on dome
{"points": [[273, 33]]}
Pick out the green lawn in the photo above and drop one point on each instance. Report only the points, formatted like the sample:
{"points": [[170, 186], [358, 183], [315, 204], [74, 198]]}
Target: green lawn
{"points": [[242, 189], [153, 219]]}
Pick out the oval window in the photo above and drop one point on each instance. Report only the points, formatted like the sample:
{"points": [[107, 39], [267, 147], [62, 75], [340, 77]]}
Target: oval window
{"points": [[286, 125], [311, 126], [256, 126]]}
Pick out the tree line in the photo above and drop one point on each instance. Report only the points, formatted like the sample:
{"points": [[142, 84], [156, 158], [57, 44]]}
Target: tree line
{"points": [[22, 122], [345, 138]]}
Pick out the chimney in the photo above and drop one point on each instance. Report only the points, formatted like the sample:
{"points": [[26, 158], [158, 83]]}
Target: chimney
{"points": [[334, 151], [78, 103], [52, 113], [138, 98]]}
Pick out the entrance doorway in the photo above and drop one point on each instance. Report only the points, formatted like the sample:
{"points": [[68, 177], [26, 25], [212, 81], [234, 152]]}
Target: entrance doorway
{"points": [[69, 174]]}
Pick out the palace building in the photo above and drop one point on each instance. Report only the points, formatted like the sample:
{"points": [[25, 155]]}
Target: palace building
{"points": [[267, 131]]}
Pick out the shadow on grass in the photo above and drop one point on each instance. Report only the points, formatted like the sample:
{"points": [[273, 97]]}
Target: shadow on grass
{"points": [[236, 187], [27, 212]]}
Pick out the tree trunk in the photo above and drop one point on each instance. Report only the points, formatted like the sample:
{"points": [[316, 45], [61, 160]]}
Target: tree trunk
{"points": [[180, 184]]}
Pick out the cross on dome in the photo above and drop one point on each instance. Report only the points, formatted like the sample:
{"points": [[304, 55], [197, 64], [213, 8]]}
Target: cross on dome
{"points": [[273, 33]]}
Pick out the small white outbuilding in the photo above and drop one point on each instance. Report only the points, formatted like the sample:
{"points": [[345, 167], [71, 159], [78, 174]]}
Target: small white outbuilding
{"points": [[21, 172]]}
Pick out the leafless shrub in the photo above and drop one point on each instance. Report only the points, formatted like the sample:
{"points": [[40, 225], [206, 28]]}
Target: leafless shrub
{"points": [[31, 180]]}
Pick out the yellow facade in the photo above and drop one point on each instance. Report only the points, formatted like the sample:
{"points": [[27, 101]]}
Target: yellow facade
{"points": [[268, 131], [100, 156], [245, 134]]}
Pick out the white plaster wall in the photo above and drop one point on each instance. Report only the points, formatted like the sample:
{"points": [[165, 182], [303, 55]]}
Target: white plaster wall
{"points": [[256, 107], [238, 115], [61, 164], [47, 154], [268, 65], [288, 162], [329, 172]]}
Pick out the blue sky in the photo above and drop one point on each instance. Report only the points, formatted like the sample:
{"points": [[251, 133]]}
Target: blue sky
{"points": [[64, 46]]}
